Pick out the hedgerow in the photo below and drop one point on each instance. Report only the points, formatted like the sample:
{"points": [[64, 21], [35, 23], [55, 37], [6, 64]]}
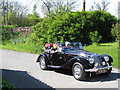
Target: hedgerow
{"points": [[74, 26]]}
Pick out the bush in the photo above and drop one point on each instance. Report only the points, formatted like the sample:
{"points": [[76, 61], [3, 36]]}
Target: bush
{"points": [[74, 26], [95, 38], [7, 85], [7, 35], [115, 31]]}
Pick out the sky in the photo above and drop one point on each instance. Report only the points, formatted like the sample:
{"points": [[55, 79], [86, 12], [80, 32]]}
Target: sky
{"points": [[112, 7]]}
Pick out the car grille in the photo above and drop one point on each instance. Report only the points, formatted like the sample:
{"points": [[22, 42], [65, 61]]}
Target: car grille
{"points": [[98, 60]]}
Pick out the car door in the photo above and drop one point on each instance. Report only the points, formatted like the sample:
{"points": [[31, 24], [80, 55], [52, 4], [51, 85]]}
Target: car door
{"points": [[68, 55], [57, 58]]}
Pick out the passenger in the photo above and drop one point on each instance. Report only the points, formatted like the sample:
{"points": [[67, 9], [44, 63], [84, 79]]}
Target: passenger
{"points": [[47, 46], [56, 45]]}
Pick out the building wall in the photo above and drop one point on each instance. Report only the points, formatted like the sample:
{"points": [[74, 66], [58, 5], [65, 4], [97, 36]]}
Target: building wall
{"points": [[27, 29]]}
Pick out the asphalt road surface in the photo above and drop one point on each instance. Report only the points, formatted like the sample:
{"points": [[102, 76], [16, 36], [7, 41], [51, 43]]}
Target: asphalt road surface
{"points": [[22, 70]]}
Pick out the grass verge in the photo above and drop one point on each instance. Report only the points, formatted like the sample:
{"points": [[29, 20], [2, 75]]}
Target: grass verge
{"points": [[30, 48], [108, 48]]}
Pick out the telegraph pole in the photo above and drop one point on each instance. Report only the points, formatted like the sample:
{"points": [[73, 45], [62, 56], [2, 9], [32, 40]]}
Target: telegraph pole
{"points": [[84, 5]]}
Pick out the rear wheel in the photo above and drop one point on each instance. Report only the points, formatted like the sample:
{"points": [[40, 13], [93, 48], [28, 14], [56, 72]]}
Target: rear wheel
{"points": [[78, 71], [42, 63]]}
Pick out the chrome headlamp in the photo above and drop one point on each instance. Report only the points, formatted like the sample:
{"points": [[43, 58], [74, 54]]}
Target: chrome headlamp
{"points": [[106, 58], [91, 60], [96, 65]]}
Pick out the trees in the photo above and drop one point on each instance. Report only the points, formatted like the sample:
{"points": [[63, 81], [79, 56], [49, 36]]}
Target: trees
{"points": [[17, 13], [53, 5], [47, 6], [74, 27], [33, 18], [115, 31], [101, 6]]}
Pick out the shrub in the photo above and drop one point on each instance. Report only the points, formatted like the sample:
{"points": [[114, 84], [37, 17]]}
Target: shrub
{"points": [[115, 31], [7, 35], [74, 26], [95, 38]]}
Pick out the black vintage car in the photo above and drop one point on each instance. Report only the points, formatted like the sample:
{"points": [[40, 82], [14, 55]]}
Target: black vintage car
{"points": [[76, 59]]}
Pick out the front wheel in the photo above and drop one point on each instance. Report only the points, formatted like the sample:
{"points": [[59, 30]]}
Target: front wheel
{"points": [[107, 73], [78, 71], [42, 63]]}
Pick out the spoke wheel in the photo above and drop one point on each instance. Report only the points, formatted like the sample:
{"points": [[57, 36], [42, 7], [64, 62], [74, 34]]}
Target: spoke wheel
{"points": [[108, 72], [78, 71], [42, 63]]}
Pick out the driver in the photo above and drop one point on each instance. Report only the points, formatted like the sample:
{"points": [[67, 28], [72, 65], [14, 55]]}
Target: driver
{"points": [[67, 44]]}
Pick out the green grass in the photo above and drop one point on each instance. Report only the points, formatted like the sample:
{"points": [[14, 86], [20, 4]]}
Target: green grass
{"points": [[6, 84], [108, 48], [30, 48]]}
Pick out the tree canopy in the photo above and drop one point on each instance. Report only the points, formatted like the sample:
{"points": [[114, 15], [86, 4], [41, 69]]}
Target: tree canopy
{"points": [[74, 26]]}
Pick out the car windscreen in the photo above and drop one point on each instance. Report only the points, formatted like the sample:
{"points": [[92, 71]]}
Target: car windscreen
{"points": [[76, 45], [73, 45]]}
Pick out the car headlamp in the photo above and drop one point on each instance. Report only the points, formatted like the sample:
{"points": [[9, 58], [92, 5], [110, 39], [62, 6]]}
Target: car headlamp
{"points": [[96, 65], [106, 58], [91, 60], [103, 63]]}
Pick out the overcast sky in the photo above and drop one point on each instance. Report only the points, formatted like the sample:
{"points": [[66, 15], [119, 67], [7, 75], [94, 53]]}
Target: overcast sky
{"points": [[112, 7]]}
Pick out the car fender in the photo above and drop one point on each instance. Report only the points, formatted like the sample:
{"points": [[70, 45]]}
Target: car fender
{"points": [[45, 56], [110, 58], [81, 60]]}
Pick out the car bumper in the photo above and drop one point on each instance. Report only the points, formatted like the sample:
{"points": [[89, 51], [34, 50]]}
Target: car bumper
{"points": [[98, 69]]}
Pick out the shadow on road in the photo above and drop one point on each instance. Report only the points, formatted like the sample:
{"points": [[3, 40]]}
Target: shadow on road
{"points": [[21, 79], [110, 77], [64, 71], [94, 78]]}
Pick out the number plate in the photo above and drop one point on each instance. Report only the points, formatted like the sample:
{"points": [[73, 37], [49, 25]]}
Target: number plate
{"points": [[102, 71]]}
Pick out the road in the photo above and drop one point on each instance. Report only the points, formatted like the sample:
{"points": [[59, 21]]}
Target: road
{"points": [[22, 70]]}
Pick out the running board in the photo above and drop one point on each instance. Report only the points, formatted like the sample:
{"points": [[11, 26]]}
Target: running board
{"points": [[51, 66]]}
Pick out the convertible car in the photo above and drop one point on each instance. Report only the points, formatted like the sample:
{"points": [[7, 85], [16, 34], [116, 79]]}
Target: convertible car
{"points": [[77, 59]]}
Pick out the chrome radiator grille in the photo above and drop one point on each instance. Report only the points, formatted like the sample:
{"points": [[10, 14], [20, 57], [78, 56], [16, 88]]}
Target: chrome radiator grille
{"points": [[98, 60]]}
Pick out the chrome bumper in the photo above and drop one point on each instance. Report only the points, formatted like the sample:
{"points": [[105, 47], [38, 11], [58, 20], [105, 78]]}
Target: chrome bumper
{"points": [[97, 69]]}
